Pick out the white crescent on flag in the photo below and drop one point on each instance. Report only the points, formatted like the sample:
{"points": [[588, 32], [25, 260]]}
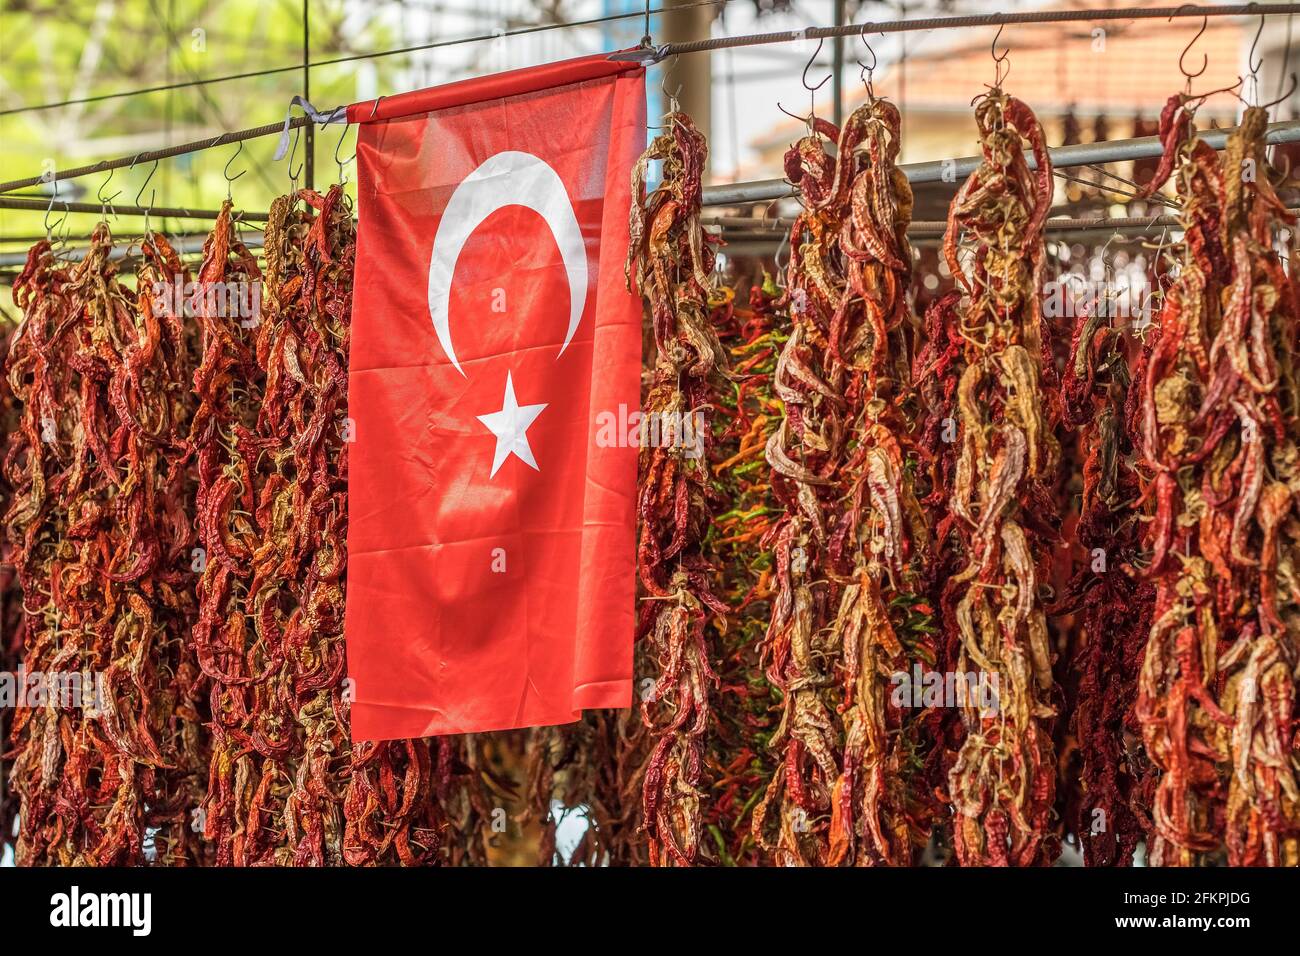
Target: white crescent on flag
{"points": [[508, 178]]}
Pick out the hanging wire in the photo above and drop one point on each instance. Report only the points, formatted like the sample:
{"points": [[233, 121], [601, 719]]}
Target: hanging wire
{"points": [[812, 90], [376, 54], [933, 23], [1251, 64], [1285, 96], [153, 194]]}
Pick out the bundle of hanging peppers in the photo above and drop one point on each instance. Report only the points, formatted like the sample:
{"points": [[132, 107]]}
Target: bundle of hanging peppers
{"points": [[805, 452], [1002, 784], [851, 547], [738, 758], [1219, 429], [671, 264], [1108, 593], [285, 785], [1191, 465], [107, 772], [11, 597]]}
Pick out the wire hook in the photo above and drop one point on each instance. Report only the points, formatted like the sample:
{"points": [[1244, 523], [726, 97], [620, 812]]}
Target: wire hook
{"points": [[998, 75], [807, 66], [293, 151], [343, 162], [106, 204], [670, 98], [1250, 57], [1205, 60], [49, 230], [225, 171], [153, 193], [867, 71]]}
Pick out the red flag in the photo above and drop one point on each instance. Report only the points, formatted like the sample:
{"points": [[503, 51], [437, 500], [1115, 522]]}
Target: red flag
{"points": [[491, 535]]}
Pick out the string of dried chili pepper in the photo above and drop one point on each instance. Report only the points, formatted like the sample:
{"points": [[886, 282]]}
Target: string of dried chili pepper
{"points": [[1257, 672], [1111, 599], [1188, 459], [670, 264], [99, 531], [738, 757], [1002, 785], [878, 539], [805, 453]]}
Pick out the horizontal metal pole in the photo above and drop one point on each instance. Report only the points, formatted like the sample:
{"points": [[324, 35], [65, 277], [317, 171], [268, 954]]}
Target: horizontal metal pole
{"points": [[653, 54], [955, 170], [126, 162], [191, 245], [161, 212]]}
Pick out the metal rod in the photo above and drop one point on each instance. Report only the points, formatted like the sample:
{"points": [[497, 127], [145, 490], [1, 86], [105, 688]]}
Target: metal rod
{"points": [[954, 170], [190, 245], [166, 212], [270, 129], [654, 54]]}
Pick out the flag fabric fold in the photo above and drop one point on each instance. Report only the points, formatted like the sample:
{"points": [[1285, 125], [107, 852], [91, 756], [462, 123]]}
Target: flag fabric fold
{"points": [[491, 541]]}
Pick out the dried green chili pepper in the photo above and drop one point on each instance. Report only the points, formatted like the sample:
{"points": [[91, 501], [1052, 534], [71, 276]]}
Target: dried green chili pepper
{"points": [[739, 761]]}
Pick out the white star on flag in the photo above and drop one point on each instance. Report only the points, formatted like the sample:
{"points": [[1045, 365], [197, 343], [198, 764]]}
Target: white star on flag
{"points": [[510, 426]]}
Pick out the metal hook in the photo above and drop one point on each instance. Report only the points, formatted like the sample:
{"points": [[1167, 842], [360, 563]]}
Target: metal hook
{"points": [[867, 71], [343, 162], [1250, 57], [225, 171], [998, 75], [1199, 98], [49, 230], [153, 193], [293, 151], [807, 66], [106, 204], [776, 256], [1205, 60], [812, 90], [670, 98]]}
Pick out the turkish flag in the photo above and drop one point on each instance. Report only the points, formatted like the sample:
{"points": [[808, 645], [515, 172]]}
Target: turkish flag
{"points": [[491, 549]]}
